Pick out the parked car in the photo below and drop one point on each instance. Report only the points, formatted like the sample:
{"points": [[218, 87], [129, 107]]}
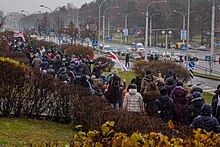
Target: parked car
{"points": [[123, 52], [202, 48], [107, 49], [140, 48], [192, 57], [115, 50], [128, 49], [178, 57], [135, 56]]}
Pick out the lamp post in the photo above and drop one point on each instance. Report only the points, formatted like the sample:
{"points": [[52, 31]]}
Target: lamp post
{"points": [[99, 5], [166, 40], [103, 23], [151, 19], [51, 18], [213, 33], [146, 29], [109, 20], [187, 38], [184, 22], [126, 24]]}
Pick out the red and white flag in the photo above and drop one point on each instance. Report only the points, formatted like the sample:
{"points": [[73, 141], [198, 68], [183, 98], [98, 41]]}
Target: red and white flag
{"points": [[21, 34], [116, 60]]}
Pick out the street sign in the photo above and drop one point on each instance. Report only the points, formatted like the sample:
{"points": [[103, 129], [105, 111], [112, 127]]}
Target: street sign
{"points": [[95, 43], [191, 73], [183, 35], [125, 32], [60, 37], [109, 38], [207, 58], [51, 29], [133, 45], [191, 64], [184, 47]]}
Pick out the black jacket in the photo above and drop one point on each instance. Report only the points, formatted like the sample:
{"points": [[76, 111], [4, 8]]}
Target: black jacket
{"points": [[164, 108], [194, 109], [205, 121]]}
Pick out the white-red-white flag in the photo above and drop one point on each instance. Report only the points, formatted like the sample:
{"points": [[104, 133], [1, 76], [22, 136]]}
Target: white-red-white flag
{"points": [[116, 60]]}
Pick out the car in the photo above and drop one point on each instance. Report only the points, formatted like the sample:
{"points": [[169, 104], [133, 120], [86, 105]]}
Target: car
{"points": [[135, 56], [123, 52], [128, 49], [178, 57], [115, 50], [140, 48], [107, 49], [202, 48], [192, 57]]}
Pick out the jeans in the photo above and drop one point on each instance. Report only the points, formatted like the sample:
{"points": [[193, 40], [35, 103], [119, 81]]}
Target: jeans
{"points": [[115, 106]]}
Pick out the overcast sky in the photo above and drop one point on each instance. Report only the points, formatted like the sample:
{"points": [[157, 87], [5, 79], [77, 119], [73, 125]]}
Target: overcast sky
{"points": [[34, 5]]}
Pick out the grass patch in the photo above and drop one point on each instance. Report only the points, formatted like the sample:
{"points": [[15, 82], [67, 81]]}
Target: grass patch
{"points": [[207, 75], [207, 97], [22, 132]]}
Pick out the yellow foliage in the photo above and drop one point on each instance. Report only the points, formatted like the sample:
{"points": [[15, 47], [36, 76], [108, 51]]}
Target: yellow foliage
{"points": [[109, 137]]}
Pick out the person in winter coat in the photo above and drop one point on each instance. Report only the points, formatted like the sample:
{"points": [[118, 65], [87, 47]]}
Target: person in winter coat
{"points": [[178, 94], [133, 101], [97, 71], [51, 71], [216, 104], [113, 89], [170, 80], [36, 63], [194, 109], [57, 64], [121, 89], [148, 78], [164, 106], [127, 60], [193, 89], [137, 81], [44, 64], [206, 121], [149, 97]]}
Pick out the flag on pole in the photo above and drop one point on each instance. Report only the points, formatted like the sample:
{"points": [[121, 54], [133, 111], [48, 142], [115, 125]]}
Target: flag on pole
{"points": [[21, 34], [116, 60]]}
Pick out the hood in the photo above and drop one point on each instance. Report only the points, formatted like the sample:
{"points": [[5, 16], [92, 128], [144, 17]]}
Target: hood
{"points": [[164, 98], [148, 77], [206, 110], [198, 102], [132, 91], [179, 91]]}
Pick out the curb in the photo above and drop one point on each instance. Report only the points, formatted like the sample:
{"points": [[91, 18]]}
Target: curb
{"points": [[207, 77]]}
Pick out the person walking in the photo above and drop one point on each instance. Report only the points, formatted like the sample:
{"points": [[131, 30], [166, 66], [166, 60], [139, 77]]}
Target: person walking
{"points": [[127, 64], [206, 121], [133, 101]]}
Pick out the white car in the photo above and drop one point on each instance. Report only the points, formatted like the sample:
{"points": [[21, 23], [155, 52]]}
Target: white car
{"points": [[177, 57], [107, 49], [202, 48], [140, 48]]}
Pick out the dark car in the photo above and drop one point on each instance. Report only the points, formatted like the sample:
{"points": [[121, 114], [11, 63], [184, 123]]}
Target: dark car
{"points": [[192, 57]]}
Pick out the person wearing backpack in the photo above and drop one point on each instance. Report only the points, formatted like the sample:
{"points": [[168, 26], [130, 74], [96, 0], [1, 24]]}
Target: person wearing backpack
{"points": [[164, 106], [113, 89]]}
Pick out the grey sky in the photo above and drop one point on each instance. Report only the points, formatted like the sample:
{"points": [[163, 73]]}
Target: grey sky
{"points": [[34, 5]]}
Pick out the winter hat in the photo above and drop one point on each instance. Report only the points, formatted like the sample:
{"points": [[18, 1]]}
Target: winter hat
{"points": [[163, 90], [206, 110], [132, 86], [196, 94], [147, 72]]}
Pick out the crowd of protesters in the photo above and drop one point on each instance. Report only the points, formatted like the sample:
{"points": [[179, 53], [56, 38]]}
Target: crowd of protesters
{"points": [[154, 95]]}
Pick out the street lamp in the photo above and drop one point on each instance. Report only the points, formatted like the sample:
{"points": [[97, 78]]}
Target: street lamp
{"points": [[109, 20], [99, 5], [166, 44], [184, 22], [151, 19], [126, 24], [146, 29], [103, 35], [213, 33]]}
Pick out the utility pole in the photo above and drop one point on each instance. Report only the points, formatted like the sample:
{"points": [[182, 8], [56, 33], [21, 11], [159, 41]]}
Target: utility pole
{"points": [[213, 33]]}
